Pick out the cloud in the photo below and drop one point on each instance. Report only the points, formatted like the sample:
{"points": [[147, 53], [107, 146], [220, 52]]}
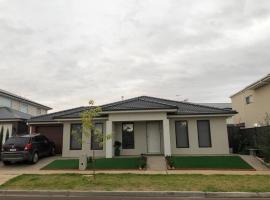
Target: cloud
{"points": [[64, 52]]}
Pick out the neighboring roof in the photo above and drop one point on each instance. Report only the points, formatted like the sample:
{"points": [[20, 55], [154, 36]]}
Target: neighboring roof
{"points": [[227, 106], [50, 117], [19, 98], [260, 83], [11, 114], [139, 103]]}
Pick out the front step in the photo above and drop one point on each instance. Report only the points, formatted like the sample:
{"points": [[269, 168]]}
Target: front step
{"points": [[156, 163]]}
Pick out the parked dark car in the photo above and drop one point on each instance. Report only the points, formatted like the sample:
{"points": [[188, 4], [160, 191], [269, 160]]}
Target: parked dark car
{"points": [[26, 148]]}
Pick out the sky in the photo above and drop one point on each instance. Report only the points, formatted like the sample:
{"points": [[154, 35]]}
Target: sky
{"points": [[62, 53]]}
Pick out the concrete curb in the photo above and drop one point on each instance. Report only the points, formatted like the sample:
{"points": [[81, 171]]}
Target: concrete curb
{"points": [[40, 193]]}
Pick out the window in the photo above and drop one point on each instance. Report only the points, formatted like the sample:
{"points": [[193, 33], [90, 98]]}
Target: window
{"points": [[249, 99], [24, 108], [128, 136], [181, 131], [204, 134], [5, 102], [76, 137], [97, 137]]}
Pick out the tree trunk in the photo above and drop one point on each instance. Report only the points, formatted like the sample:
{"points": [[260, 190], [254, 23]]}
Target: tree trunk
{"points": [[93, 165]]}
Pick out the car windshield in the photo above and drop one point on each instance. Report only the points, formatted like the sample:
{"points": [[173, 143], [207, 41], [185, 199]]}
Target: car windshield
{"points": [[17, 140]]}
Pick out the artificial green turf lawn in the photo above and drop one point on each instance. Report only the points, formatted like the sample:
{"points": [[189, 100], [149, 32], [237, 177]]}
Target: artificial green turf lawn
{"points": [[141, 182], [210, 162], [100, 163]]}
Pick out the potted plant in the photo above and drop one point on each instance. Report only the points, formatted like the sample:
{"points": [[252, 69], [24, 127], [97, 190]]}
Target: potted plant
{"points": [[142, 162], [170, 162], [117, 146]]}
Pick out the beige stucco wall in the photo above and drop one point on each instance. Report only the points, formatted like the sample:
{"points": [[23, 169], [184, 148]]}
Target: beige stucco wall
{"points": [[253, 113], [32, 110], [15, 105], [66, 152], [219, 137], [218, 128]]}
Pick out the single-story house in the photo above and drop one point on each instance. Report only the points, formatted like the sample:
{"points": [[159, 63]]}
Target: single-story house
{"points": [[144, 125]]}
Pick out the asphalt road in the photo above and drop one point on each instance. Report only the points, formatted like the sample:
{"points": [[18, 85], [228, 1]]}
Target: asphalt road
{"points": [[118, 198]]}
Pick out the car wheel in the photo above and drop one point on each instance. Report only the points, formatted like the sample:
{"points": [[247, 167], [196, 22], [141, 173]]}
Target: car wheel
{"points": [[6, 162], [35, 158], [53, 151]]}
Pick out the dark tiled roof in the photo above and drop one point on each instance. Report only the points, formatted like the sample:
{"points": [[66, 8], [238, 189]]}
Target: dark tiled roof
{"points": [[140, 103], [11, 114], [19, 98], [184, 108], [50, 117], [227, 106]]}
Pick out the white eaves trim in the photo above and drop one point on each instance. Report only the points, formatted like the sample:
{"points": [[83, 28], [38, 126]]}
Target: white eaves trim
{"points": [[12, 120], [79, 119], [193, 116], [33, 123]]}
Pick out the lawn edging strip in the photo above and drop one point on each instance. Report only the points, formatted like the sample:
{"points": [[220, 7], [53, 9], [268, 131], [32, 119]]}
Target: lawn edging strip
{"points": [[67, 193]]}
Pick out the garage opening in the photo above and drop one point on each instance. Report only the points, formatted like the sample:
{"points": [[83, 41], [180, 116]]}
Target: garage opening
{"points": [[53, 133]]}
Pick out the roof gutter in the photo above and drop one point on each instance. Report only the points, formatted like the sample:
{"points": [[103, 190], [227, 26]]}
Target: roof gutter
{"points": [[200, 115], [76, 119], [35, 123], [12, 120]]}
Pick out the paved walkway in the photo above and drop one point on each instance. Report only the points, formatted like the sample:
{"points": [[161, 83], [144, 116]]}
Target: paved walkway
{"points": [[4, 178], [254, 162], [156, 163]]}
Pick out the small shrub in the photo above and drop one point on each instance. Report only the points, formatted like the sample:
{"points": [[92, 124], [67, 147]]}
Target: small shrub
{"points": [[142, 162], [117, 146], [89, 159], [170, 162]]}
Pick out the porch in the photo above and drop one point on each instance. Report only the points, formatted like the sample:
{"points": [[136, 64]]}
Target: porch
{"points": [[139, 133]]}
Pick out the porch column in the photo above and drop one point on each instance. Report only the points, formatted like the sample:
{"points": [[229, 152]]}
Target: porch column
{"points": [[166, 137], [109, 146]]}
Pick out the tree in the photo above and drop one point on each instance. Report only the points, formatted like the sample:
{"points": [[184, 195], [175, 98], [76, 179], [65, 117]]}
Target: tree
{"points": [[267, 119], [89, 129]]}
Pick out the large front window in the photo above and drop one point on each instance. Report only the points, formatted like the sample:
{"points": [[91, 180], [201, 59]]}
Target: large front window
{"points": [[97, 137], [181, 131], [76, 137], [128, 136], [204, 133]]}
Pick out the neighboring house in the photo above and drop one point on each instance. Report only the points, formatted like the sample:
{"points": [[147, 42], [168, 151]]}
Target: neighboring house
{"points": [[14, 111], [144, 125], [253, 104], [227, 106]]}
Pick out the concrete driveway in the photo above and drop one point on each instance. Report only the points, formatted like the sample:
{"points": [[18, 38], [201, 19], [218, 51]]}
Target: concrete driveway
{"points": [[20, 168]]}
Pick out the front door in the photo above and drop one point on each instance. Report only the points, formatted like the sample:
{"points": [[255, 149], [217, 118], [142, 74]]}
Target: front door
{"points": [[153, 137]]}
